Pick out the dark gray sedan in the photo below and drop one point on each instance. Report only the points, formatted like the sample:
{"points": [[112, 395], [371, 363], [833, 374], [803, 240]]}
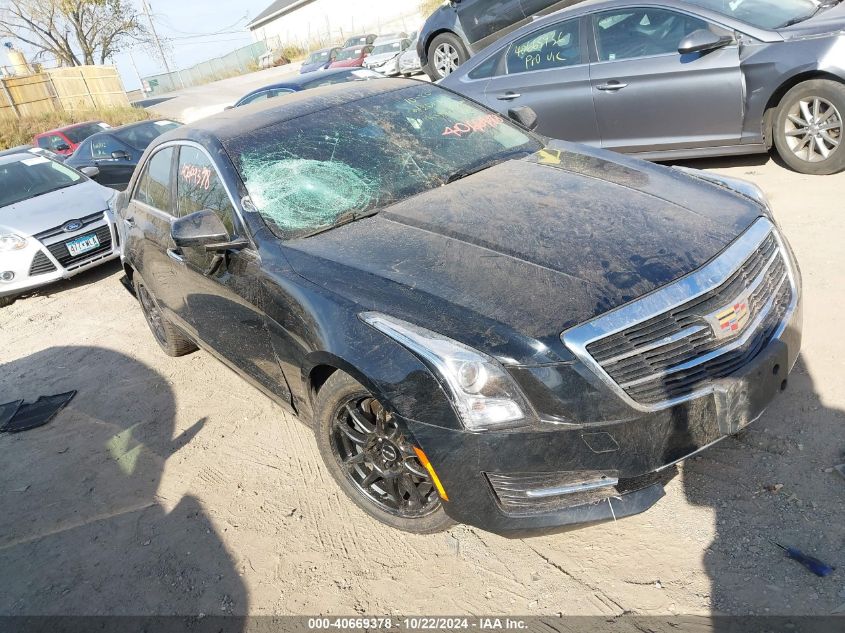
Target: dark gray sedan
{"points": [[671, 79]]}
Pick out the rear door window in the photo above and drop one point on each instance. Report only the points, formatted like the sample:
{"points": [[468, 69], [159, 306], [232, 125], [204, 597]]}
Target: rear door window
{"points": [[155, 184], [199, 188], [554, 47]]}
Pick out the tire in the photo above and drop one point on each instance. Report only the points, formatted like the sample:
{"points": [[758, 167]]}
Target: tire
{"points": [[171, 340], [5, 302], [335, 426], [453, 52], [814, 146]]}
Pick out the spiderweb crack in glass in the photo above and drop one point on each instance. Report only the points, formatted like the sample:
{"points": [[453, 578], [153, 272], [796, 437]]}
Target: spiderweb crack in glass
{"points": [[301, 193]]}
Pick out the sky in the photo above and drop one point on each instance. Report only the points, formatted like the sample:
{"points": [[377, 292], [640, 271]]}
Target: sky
{"points": [[197, 30]]}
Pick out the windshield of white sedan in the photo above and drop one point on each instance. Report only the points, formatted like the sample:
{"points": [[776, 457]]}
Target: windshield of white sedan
{"points": [[764, 14], [335, 165], [33, 177]]}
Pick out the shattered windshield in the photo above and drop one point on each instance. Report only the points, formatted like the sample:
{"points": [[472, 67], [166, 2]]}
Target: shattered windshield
{"points": [[764, 14], [308, 173]]}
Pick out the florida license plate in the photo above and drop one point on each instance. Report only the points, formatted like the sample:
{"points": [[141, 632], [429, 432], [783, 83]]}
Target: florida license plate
{"points": [[82, 245]]}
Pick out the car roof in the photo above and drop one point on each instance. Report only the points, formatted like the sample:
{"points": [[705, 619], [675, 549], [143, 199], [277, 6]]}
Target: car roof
{"points": [[19, 149], [254, 117]]}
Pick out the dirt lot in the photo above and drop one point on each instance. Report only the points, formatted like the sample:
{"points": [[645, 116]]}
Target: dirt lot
{"points": [[170, 486]]}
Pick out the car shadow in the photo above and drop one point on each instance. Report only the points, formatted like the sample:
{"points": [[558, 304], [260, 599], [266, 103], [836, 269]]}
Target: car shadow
{"points": [[89, 525], [773, 483]]}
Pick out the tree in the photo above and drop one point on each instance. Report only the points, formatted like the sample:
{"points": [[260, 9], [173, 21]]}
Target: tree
{"points": [[427, 7], [75, 32]]}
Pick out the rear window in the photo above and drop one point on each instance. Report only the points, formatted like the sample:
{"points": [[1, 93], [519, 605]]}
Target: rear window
{"points": [[350, 53], [140, 136], [81, 132]]}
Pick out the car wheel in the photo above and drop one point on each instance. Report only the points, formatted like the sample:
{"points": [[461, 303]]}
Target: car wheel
{"points": [[808, 127], [169, 338], [372, 459], [445, 54], [6, 301]]}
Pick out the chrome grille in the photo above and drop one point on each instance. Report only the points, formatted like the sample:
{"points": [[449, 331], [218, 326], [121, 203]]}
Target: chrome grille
{"points": [[669, 354]]}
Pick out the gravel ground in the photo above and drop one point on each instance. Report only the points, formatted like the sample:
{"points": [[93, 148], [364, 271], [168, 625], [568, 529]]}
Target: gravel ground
{"points": [[171, 486]]}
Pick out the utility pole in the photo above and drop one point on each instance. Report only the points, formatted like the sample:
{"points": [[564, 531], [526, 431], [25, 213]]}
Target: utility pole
{"points": [[146, 8], [137, 74]]}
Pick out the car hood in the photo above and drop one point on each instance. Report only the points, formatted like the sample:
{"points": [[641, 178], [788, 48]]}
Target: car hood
{"points": [[35, 215], [506, 268], [828, 22]]}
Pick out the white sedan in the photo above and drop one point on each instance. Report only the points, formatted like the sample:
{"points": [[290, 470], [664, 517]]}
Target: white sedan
{"points": [[55, 222]]}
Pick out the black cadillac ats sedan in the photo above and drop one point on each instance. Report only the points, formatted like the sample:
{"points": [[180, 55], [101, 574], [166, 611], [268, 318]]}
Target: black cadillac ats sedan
{"points": [[480, 324]]}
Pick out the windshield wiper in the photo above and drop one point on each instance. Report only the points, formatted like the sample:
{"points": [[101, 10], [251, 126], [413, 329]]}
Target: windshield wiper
{"points": [[487, 164], [346, 218], [806, 17]]}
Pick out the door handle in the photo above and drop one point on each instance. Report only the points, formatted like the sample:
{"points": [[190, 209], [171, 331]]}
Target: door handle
{"points": [[175, 256], [509, 96], [130, 222], [612, 86]]}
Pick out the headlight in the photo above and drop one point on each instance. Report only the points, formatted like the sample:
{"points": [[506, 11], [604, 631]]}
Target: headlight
{"points": [[11, 242], [484, 395]]}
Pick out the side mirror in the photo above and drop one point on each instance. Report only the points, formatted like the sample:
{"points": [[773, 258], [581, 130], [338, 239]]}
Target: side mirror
{"points": [[62, 147], [120, 155], [702, 41], [199, 230], [91, 172], [525, 116]]}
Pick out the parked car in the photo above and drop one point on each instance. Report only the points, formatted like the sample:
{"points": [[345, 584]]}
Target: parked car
{"points": [[54, 223], [115, 153], [37, 151], [384, 58], [273, 58], [313, 80], [480, 324], [409, 61], [351, 57], [678, 79], [458, 29], [65, 140], [360, 40], [319, 60]]}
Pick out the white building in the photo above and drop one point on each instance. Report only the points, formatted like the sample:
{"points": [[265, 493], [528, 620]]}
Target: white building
{"points": [[315, 23]]}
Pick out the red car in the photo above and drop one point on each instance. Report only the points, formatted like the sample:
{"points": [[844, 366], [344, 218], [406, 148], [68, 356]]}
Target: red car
{"points": [[351, 57], [65, 140]]}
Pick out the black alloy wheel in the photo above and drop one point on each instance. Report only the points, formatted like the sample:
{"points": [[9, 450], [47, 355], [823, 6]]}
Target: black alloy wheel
{"points": [[380, 462], [372, 458]]}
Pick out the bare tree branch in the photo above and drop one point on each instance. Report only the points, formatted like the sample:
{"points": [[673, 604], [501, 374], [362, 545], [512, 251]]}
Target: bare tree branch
{"points": [[74, 32]]}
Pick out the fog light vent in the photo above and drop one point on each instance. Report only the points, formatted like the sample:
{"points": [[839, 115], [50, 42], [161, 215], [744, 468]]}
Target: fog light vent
{"points": [[525, 493], [7, 276]]}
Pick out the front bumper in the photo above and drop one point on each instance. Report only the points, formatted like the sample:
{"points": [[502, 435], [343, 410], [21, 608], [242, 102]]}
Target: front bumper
{"points": [[388, 69], [634, 450], [46, 260]]}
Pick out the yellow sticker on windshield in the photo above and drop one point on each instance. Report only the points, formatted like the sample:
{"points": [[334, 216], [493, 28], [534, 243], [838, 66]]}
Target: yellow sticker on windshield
{"points": [[549, 156]]}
